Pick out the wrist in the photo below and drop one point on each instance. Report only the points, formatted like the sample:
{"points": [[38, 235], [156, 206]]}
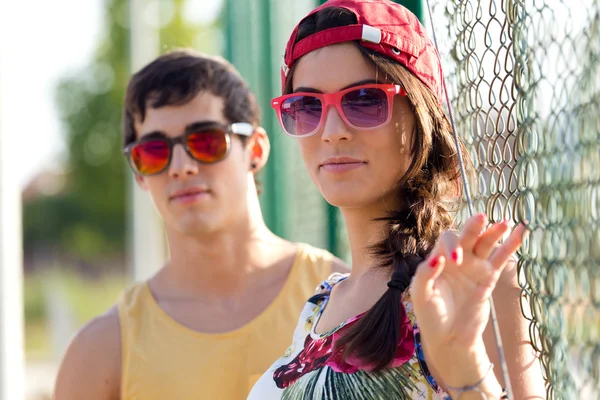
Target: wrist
{"points": [[487, 387], [465, 368], [458, 365]]}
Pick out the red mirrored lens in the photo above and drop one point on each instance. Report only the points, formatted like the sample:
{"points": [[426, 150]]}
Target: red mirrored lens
{"points": [[301, 115], [366, 108], [150, 157], [208, 146]]}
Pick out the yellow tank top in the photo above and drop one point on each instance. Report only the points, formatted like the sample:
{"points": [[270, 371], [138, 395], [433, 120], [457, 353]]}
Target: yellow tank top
{"points": [[163, 360]]}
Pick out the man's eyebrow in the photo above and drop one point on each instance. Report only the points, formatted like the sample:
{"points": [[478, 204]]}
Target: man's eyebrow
{"points": [[153, 135]]}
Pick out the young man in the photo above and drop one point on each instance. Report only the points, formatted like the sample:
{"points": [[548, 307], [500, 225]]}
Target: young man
{"points": [[200, 328]]}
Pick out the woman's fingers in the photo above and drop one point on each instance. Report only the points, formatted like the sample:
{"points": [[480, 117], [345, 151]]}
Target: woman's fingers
{"points": [[448, 245], [425, 276], [488, 240], [503, 252], [450, 249], [471, 230]]}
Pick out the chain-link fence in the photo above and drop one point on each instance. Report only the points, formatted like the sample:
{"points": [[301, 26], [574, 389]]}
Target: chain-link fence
{"points": [[524, 77]]}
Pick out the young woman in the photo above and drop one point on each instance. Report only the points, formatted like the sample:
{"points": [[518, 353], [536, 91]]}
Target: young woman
{"points": [[363, 95]]}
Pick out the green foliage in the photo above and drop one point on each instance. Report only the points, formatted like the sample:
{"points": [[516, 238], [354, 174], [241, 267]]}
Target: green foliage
{"points": [[84, 299], [34, 300], [87, 219], [90, 106]]}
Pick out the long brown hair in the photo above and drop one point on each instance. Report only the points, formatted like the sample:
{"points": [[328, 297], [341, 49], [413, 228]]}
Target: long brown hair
{"points": [[430, 190]]}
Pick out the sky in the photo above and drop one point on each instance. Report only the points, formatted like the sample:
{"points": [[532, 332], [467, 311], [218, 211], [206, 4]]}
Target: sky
{"points": [[40, 42], [37, 50]]}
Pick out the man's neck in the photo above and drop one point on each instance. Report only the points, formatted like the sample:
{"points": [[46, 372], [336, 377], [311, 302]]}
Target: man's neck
{"points": [[224, 274], [224, 262]]}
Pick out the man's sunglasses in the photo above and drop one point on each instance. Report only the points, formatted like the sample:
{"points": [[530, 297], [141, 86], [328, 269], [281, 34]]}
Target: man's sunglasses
{"points": [[205, 142], [362, 107]]}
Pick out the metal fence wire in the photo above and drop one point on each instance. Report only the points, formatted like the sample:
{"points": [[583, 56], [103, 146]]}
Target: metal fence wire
{"points": [[524, 79]]}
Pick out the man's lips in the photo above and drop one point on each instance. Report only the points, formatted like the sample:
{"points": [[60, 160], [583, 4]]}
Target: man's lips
{"points": [[189, 194]]}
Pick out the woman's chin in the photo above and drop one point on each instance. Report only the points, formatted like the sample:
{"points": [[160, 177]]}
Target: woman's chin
{"points": [[343, 200]]}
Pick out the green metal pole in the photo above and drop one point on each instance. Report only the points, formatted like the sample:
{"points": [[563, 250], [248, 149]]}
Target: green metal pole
{"points": [[228, 24], [416, 6], [274, 204], [248, 47]]}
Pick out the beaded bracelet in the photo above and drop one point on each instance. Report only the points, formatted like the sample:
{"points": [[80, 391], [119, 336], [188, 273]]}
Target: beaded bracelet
{"points": [[475, 388]]}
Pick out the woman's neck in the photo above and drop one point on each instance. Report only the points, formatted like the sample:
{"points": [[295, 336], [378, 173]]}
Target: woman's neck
{"points": [[364, 231]]}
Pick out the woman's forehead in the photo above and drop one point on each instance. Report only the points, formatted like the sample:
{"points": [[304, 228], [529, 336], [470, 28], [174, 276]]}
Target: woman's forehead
{"points": [[331, 68]]}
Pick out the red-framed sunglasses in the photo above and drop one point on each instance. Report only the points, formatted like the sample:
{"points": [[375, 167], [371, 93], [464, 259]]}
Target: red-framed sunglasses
{"points": [[362, 107], [205, 142]]}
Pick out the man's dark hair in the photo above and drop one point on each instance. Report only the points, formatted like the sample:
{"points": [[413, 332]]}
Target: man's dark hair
{"points": [[176, 77]]}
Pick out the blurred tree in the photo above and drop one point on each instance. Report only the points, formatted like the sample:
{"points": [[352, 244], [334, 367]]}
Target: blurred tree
{"points": [[88, 219]]}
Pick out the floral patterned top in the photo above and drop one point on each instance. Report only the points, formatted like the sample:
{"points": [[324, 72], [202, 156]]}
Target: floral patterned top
{"points": [[310, 369]]}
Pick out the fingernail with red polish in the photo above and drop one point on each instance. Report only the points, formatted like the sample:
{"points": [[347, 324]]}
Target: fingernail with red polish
{"points": [[434, 262], [454, 256]]}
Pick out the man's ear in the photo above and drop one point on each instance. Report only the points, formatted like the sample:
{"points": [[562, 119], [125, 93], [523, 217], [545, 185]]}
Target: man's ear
{"points": [[260, 147], [141, 182]]}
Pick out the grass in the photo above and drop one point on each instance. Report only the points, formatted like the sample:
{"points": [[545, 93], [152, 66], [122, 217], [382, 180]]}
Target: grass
{"points": [[37, 341], [85, 298], [91, 298]]}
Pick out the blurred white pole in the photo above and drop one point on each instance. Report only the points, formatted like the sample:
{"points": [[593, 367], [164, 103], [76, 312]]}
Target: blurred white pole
{"points": [[147, 239], [12, 360]]}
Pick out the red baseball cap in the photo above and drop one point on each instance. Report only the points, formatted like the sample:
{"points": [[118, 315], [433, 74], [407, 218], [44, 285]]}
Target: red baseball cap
{"points": [[383, 26]]}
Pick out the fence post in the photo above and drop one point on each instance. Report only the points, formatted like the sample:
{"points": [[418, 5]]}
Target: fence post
{"points": [[148, 245], [12, 359], [248, 47]]}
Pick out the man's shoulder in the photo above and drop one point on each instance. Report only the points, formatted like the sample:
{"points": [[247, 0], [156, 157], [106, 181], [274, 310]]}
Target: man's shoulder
{"points": [[100, 337], [92, 361], [339, 266], [322, 255], [105, 325]]}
